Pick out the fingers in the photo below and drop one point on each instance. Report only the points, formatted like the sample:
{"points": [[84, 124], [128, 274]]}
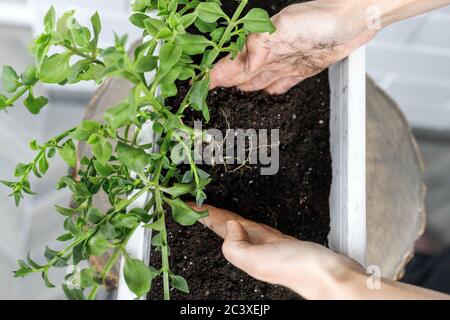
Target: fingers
{"points": [[217, 219], [258, 49], [230, 73], [283, 85], [237, 247]]}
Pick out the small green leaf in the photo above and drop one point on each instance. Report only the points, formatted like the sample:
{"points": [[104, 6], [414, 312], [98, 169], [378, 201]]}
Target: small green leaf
{"points": [[199, 94], [157, 225], [10, 79], [50, 20], [178, 282], [102, 150], [210, 12], [69, 153], [29, 77], [94, 215], [192, 44], [169, 55], [133, 158], [258, 20], [153, 26], [34, 105], [146, 63], [120, 115], [46, 280], [98, 244], [65, 237], [56, 68], [138, 19], [104, 170], [86, 129], [97, 28], [138, 276], [74, 293], [86, 278], [183, 213], [179, 189], [189, 19]]}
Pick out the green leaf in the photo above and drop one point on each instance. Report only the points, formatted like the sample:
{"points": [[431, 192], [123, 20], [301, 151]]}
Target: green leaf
{"points": [[258, 20], [10, 79], [192, 44], [94, 215], [64, 24], [120, 115], [138, 276], [178, 282], [86, 278], [133, 158], [205, 27], [153, 26], [46, 280], [73, 294], [21, 169], [29, 77], [157, 225], [183, 213], [102, 150], [97, 28], [34, 105], [104, 170], [50, 20], [65, 237], [77, 187], [138, 19], [157, 240], [56, 68], [210, 12], [86, 129], [169, 55], [199, 93], [98, 244], [189, 19], [179, 189], [146, 63], [69, 153], [66, 211]]}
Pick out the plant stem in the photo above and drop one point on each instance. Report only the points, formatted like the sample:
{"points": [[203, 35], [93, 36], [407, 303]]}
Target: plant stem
{"points": [[83, 55], [18, 94], [164, 247]]}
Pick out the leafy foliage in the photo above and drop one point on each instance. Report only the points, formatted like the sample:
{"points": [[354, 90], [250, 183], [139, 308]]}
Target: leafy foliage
{"points": [[119, 166]]}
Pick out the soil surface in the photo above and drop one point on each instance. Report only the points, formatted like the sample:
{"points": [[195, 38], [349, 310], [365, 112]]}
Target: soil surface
{"points": [[295, 200]]}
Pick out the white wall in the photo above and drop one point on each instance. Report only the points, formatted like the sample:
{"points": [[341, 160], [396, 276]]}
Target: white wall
{"points": [[411, 61]]}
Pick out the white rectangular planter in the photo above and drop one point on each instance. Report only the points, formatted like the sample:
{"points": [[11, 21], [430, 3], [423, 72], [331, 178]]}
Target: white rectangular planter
{"points": [[348, 152]]}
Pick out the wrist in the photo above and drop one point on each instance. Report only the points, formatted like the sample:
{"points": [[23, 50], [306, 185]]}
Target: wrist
{"points": [[332, 277]]}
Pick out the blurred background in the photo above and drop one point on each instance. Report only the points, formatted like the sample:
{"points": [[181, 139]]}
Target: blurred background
{"points": [[410, 60]]}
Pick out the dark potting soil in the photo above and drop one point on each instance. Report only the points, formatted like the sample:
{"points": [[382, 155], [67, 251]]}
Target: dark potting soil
{"points": [[295, 200]]}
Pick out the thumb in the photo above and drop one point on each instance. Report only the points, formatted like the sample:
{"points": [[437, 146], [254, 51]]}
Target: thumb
{"points": [[236, 245], [257, 52]]}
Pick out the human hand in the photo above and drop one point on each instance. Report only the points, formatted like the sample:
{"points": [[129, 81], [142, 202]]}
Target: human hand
{"points": [[309, 38], [268, 255]]}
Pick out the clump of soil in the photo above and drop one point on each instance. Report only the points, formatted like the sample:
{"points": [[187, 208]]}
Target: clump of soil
{"points": [[295, 200]]}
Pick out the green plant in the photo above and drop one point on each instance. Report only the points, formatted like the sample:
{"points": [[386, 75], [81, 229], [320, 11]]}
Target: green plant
{"points": [[120, 166]]}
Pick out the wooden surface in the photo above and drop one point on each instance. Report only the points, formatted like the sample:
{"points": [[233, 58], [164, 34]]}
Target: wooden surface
{"points": [[395, 186]]}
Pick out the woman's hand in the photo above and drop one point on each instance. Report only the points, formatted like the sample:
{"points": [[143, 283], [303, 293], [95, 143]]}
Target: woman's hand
{"points": [[310, 37], [311, 270], [268, 255]]}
